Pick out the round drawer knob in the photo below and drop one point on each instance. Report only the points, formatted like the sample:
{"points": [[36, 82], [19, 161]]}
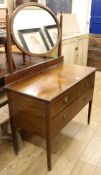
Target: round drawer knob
{"points": [[65, 117], [76, 48], [66, 99], [85, 98]]}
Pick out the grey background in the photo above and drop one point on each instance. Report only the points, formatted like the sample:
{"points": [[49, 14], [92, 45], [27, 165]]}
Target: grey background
{"points": [[1, 1], [59, 5]]}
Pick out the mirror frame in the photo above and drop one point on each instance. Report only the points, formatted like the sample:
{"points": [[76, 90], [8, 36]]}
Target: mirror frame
{"points": [[54, 17]]}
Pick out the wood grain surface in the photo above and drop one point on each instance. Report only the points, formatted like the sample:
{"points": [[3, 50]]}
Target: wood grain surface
{"points": [[51, 83]]}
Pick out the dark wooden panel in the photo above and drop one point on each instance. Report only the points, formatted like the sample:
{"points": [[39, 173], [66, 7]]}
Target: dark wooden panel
{"points": [[59, 5], [94, 51], [19, 2], [2, 82], [31, 70]]}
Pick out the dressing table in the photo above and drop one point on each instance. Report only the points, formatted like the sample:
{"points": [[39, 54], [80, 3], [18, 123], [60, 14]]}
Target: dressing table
{"points": [[43, 98]]}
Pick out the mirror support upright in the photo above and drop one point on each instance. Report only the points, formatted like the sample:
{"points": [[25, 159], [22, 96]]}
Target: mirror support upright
{"points": [[60, 43], [9, 43]]}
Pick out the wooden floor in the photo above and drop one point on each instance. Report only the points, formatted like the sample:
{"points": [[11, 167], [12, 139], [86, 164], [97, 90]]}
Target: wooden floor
{"points": [[76, 149]]}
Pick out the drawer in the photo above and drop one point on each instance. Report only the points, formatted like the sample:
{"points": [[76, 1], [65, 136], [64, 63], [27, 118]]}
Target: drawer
{"points": [[64, 100], [85, 84], [60, 120]]}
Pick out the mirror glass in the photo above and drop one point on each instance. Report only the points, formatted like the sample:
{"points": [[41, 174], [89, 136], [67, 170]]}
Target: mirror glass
{"points": [[34, 29]]}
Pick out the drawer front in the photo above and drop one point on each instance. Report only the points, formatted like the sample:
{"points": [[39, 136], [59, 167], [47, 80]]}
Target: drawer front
{"points": [[85, 84], [60, 120], [64, 100]]}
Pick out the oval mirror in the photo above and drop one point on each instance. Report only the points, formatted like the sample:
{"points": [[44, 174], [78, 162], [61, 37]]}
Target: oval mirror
{"points": [[35, 29]]}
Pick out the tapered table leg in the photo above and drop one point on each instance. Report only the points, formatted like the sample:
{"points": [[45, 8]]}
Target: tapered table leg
{"points": [[14, 137], [48, 150], [89, 111], [48, 137]]}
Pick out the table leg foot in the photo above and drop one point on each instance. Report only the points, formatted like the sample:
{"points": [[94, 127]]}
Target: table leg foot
{"points": [[14, 137], [89, 111]]}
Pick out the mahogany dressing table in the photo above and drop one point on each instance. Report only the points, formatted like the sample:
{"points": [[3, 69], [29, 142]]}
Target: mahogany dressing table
{"points": [[43, 98]]}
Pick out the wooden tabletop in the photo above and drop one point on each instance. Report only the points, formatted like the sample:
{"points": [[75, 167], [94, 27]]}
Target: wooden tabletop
{"points": [[52, 82]]}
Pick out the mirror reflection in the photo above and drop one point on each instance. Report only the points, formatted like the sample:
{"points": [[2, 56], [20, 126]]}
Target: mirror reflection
{"points": [[35, 30]]}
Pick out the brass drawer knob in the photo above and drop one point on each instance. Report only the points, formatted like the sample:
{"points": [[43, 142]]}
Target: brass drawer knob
{"points": [[65, 117], [85, 98], [76, 48], [66, 99]]}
